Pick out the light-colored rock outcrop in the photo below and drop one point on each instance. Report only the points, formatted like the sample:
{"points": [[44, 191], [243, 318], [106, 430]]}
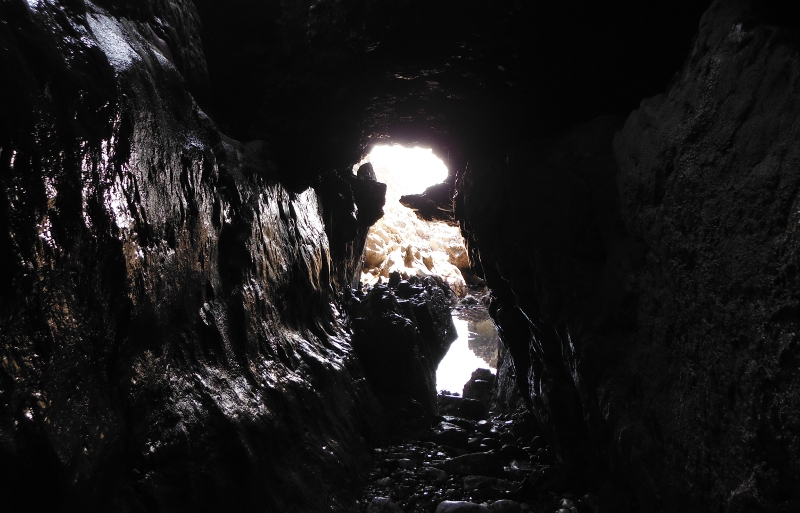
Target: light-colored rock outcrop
{"points": [[402, 242]]}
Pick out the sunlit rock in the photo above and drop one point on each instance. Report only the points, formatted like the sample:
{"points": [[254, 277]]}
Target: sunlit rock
{"points": [[400, 241]]}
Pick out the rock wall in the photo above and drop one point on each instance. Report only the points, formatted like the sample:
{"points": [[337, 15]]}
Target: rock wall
{"points": [[648, 299], [546, 231], [169, 337], [709, 178]]}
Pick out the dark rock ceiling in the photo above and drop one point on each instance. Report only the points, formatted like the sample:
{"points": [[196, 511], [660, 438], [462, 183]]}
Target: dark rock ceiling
{"points": [[323, 80]]}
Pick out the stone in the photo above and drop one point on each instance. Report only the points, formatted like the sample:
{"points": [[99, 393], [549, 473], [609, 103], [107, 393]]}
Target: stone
{"points": [[567, 503], [505, 506], [465, 424], [492, 443], [404, 289], [482, 463], [479, 389], [459, 406], [406, 463], [154, 265], [400, 343], [474, 444], [480, 483], [513, 452], [461, 507], [449, 434], [366, 172], [434, 473], [507, 438], [369, 197], [394, 279], [435, 203], [383, 505], [538, 443]]}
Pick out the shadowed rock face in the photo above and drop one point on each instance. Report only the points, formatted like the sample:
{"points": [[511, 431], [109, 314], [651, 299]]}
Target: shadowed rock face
{"points": [[657, 278], [169, 340], [401, 333], [709, 181]]}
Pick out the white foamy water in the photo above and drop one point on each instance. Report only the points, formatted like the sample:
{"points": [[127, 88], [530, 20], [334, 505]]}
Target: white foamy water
{"points": [[460, 362]]}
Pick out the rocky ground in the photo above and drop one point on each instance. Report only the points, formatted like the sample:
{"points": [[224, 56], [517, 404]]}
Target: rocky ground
{"points": [[471, 460]]}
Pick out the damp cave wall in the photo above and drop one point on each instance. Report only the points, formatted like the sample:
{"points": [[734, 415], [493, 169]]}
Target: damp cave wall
{"points": [[169, 332], [649, 302]]}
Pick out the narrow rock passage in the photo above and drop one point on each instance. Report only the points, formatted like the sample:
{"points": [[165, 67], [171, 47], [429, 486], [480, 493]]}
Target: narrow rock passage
{"points": [[471, 460]]}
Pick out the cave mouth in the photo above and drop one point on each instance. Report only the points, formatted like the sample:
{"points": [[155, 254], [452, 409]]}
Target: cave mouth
{"points": [[402, 242], [406, 170]]}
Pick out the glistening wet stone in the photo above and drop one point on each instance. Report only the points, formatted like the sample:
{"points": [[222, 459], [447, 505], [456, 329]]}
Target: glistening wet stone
{"points": [[427, 473]]}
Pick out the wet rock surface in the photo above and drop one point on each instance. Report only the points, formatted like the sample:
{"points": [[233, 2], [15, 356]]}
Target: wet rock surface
{"points": [[401, 331], [169, 336], [498, 465], [647, 308]]}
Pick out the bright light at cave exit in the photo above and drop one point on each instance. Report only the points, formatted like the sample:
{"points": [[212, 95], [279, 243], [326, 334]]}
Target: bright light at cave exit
{"points": [[460, 361], [412, 169]]}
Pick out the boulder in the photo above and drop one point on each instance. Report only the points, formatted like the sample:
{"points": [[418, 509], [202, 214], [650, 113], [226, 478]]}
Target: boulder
{"points": [[400, 342], [479, 463], [480, 386], [461, 507], [383, 505], [505, 506]]}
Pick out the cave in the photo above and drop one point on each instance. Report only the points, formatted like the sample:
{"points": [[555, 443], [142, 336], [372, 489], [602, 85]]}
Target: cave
{"points": [[186, 210]]}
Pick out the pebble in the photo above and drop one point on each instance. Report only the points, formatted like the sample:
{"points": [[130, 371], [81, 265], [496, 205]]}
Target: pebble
{"points": [[479, 463], [406, 463], [383, 505], [461, 507], [461, 466], [434, 473], [505, 506]]}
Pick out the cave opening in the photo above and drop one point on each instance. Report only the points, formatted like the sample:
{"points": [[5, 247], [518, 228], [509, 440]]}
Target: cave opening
{"points": [[402, 242], [413, 247]]}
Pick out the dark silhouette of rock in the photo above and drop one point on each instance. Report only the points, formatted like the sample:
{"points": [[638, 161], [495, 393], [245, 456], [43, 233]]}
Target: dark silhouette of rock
{"points": [[463, 407], [434, 204], [169, 340], [644, 300], [480, 386], [400, 343], [479, 463]]}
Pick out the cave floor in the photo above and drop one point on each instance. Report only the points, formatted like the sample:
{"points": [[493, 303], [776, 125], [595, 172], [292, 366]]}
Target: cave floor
{"points": [[495, 462]]}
